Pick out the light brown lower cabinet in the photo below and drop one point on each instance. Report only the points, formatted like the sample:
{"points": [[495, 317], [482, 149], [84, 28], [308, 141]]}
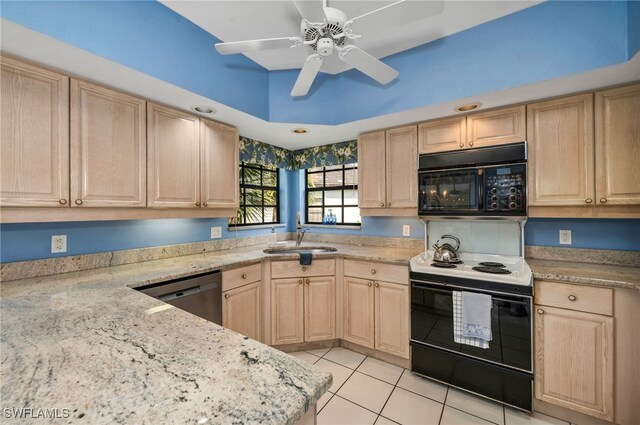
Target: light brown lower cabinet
{"points": [[242, 310], [574, 360], [376, 314], [303, 309]]}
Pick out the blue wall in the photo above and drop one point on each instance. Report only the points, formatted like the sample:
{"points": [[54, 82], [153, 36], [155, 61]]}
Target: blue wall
{"points": [[633, 27], [151, 38], [546, 41], [621, 235]]}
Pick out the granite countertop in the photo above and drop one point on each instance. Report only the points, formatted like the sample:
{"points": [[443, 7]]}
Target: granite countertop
{"points": [[586, 273], [87, 342]]}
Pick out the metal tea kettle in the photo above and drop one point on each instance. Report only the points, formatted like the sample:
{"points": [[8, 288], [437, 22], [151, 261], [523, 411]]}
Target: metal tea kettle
{"points": [[446, 253]]}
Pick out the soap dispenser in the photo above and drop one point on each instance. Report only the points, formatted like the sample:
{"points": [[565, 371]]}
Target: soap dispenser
{"points": [[273, 237]]}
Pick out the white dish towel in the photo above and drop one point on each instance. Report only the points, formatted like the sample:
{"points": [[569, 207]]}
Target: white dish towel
{"points": [[472, 319]]}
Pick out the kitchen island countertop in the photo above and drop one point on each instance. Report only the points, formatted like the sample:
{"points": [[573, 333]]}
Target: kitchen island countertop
{"points": [[87, 342]]}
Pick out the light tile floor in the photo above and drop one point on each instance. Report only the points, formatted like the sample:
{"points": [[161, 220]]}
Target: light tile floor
{"points": [[367, 391]]}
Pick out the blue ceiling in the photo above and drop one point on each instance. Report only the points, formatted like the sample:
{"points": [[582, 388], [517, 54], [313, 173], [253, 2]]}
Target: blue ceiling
{"points": [[547, 41]]}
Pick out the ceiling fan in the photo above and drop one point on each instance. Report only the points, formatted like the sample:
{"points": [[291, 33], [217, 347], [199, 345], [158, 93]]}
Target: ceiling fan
{"points": [[326, 30]]}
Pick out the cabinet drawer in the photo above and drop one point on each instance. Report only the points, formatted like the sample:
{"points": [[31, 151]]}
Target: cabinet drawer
{"points": [[237, 277], [575, 297], [377, 271], [280, 269]]}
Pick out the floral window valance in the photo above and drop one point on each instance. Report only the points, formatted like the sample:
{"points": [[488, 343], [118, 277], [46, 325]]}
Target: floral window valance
{"points": [[257, 152]]}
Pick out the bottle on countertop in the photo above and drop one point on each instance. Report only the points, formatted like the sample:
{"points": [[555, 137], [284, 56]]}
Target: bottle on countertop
{"points": [[273, 237]]}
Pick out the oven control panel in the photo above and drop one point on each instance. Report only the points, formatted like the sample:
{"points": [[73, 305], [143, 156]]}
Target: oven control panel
{"points": [[505, 189]]}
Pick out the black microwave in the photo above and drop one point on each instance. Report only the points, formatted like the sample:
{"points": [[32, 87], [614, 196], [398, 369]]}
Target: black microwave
{"points": [[483, 182]]}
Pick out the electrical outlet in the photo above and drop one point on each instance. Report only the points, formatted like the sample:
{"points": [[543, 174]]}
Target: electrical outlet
{"points": [[406, 230], [58, 243], [216, 232], [565, 237]]}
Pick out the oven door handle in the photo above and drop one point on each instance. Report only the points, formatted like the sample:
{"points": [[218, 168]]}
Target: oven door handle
{"points": [[448, 292]]}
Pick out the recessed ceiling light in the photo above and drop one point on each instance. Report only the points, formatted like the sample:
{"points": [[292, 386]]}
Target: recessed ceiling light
{"points": [[468, 107], [300, 130], [203, 109]]}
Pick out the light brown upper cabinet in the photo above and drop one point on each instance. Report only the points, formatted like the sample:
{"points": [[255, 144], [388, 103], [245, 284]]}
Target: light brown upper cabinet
{"points": [[219, 165], [496, 127], [442, 135], [387, 171], [561, 160], [173, 164], [35, 136], [108, 147], [618, 146]]}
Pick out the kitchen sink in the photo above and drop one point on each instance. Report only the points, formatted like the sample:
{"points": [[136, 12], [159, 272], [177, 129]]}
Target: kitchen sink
{"points": [[292, 250]]}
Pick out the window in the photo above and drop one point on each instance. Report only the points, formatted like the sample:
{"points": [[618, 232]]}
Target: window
{"points": [[259, 195], [333, 190]]}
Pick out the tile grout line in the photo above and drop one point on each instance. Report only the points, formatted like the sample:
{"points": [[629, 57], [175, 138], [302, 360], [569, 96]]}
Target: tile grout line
{"points": [[444, 404], [391, 393]]}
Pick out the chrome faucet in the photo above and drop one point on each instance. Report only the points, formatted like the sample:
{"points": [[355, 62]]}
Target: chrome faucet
{"points": [[299, 230]]}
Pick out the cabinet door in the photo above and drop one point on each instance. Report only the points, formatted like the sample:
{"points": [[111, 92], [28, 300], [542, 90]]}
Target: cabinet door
{"points": [[402, 167], [319, 308], [173, 158], [220, 156], [287, 316], [371, 170], [574, 360], [35, 136], [496, 127], [358, 311], [442, 135], [392, 318], [108, 147], [618, 146], [242, 309], [560, 137]]}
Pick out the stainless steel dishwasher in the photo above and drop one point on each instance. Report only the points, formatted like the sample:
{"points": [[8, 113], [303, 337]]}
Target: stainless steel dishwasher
{"points": [[200, 295]]}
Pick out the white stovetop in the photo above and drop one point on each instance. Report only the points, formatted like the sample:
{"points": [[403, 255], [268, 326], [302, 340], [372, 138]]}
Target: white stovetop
{"points": [[520, 270]]}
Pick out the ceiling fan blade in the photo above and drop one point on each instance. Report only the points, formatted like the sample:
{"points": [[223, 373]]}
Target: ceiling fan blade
{"points": [[307, 75], [368, 65], [311, 10], [253, 45], [398, 13]]}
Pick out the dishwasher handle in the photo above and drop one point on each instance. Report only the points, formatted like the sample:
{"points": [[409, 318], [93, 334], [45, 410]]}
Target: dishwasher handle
{"points": [[179, 294]]}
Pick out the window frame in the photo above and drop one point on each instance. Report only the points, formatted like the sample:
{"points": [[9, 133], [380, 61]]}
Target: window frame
{"points": [[326, 188], [242, 187]]}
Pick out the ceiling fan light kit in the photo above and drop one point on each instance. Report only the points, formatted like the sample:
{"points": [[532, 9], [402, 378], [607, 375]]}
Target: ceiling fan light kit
{"points": [[325, 30]]}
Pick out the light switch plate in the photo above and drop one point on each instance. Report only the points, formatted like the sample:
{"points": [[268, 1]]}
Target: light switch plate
{"points": [[58, 243], [216, 232], [565, 237], [406, 230]]}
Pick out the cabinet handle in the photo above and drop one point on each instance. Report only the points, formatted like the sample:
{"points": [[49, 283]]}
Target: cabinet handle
{"points": [[540, 311], [226, 296], [307, 281], [382, 204], [377, 285], [63, 201], [572, 298], [373, 271], [205, 204], [388, 204], [304, 269], [300, 281], [197, 204], [369, 284], [603, 200], [470, 142], [78, 201], [244, 275], [588, 200], [461, 145]]}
